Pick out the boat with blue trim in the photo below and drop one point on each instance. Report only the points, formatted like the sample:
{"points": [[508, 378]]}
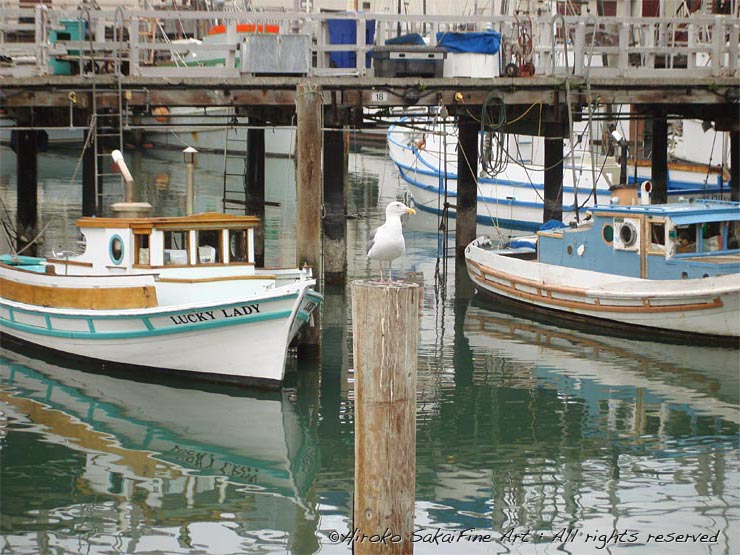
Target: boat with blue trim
{"points": [[175, 293], [510, 194], [672, 269]]}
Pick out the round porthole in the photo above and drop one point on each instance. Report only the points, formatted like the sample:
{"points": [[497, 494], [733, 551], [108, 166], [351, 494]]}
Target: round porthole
{"points": [[627, 234], [607, 233], [569, 249], [116, 249]]}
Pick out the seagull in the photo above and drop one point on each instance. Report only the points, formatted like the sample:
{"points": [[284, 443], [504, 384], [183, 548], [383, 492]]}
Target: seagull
{"points": [[387, 243]]}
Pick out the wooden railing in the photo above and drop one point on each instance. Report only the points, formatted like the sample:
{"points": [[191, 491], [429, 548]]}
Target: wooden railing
{"points": [[150, 42]]}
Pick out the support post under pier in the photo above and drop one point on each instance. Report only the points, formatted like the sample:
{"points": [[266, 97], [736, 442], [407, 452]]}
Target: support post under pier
{"points": [[308, 195], [335, 206], [735, 165], [659, 173], [553, 209], [466, 204], [255, 188], [27, 172]]}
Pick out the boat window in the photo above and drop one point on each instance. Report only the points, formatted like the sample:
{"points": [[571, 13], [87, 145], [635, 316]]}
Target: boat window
{"points": [[657, 234], [142, 248], [711, 234], [176, 247], [607, 233], [208, 246], [686, 238], [238, 245], [116, 249]]}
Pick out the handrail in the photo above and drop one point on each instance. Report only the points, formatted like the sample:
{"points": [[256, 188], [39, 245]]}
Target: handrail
{"points": [[708, 43]]}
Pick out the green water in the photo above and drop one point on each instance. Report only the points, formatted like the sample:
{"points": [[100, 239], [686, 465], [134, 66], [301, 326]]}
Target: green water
{"points": [[534, 438]]}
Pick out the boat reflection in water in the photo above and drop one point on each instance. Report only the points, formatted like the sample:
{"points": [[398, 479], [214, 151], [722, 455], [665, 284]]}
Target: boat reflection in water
{"points": [[546, 428], [647, 375], [160, 468]]}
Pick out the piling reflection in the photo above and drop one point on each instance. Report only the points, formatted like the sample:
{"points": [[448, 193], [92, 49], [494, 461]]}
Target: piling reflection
{"points": [[158, 467]]}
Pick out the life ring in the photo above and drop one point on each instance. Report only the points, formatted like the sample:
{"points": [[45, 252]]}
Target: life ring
{"points": [[161, 114]]}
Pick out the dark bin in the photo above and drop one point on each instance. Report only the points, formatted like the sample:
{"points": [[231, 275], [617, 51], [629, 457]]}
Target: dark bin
{"points": [[408, 61]]}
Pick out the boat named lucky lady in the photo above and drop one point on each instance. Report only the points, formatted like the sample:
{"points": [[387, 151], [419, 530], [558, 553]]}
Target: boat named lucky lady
{"points": [[670, 268], [161, 293]]}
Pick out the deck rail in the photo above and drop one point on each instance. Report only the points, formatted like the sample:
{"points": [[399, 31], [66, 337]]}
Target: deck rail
{"points": [[161, 43]]}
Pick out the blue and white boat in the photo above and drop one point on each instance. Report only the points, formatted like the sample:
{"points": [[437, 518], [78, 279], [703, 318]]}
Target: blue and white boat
{"points": [[424, 149], [668, 268], [161, 293]]}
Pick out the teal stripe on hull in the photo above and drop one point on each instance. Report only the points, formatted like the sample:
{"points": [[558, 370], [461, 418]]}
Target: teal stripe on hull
{"points": [[134, 334]]}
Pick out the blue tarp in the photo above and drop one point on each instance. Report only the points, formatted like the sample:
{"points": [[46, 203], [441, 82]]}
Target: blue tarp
{"points": [[478, 43], [552, 224], [413, 39], [344, 31]]}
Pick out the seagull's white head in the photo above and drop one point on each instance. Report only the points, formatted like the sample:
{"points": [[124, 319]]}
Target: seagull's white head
{"points": [[397, 209]]}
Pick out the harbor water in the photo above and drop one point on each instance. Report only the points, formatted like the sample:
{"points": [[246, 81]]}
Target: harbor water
{"points": [[532, 437]]}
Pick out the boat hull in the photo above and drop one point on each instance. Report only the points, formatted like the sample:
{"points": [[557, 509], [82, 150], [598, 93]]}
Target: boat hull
{"points": [[242, 342], [695, 307], [512, 202]]}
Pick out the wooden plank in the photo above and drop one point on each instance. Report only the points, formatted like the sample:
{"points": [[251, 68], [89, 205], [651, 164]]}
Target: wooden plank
{"points": [[107, 298]]}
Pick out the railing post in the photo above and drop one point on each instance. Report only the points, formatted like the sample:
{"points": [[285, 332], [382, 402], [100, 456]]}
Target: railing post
{"points": [[649, 57], [133, 49], [230, 61], [691, 54], [624, 44], [41, 36], [579, 50], [718, 38], [732, 63], [360, 45]]}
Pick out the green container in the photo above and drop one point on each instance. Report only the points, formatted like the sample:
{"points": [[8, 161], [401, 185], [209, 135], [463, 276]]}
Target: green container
{"points": [[72, 30]]}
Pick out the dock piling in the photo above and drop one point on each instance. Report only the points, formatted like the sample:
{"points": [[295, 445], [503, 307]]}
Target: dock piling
{"points": [[308, 103], [385, 321], [255, 188], [466, 209], [335, 206], [27, 172]]}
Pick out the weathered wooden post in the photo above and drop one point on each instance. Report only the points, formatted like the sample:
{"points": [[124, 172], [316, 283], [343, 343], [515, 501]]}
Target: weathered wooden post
{"points": [[659, 171], [466, 209], [255, 187], [553, 209], [308, 195], [27, 173], [385, 337], [335, 206]]}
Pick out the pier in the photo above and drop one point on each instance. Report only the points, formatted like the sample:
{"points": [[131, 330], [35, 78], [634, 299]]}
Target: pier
{"points": [[115, 73]]}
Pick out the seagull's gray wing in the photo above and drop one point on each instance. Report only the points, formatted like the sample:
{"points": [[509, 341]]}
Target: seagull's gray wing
{"points": [[371, 242]]}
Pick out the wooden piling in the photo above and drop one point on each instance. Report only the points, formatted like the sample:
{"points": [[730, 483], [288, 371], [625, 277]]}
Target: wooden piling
{"points": [[659, 173], [27, 172], [255, 186], [735, 165], [385, 321], [308, 195], [553, 179], [335, 206], [466, 204]]}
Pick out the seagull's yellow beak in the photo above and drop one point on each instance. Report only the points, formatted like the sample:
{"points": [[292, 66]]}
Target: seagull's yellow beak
{"points": [[410, 211]]}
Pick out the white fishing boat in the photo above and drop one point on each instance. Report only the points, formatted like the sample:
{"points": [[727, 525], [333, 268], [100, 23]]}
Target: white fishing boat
{"points": [[667, 268], [162, 293], [511, 187]]}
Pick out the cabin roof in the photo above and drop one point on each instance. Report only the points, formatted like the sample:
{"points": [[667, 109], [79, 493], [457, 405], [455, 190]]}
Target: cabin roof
{"points": [[207, 220], [680, 212]]}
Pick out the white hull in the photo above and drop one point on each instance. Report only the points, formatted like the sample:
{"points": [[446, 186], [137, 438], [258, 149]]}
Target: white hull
{"points": [[513, 200], [708, 306], [225, 341]]}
